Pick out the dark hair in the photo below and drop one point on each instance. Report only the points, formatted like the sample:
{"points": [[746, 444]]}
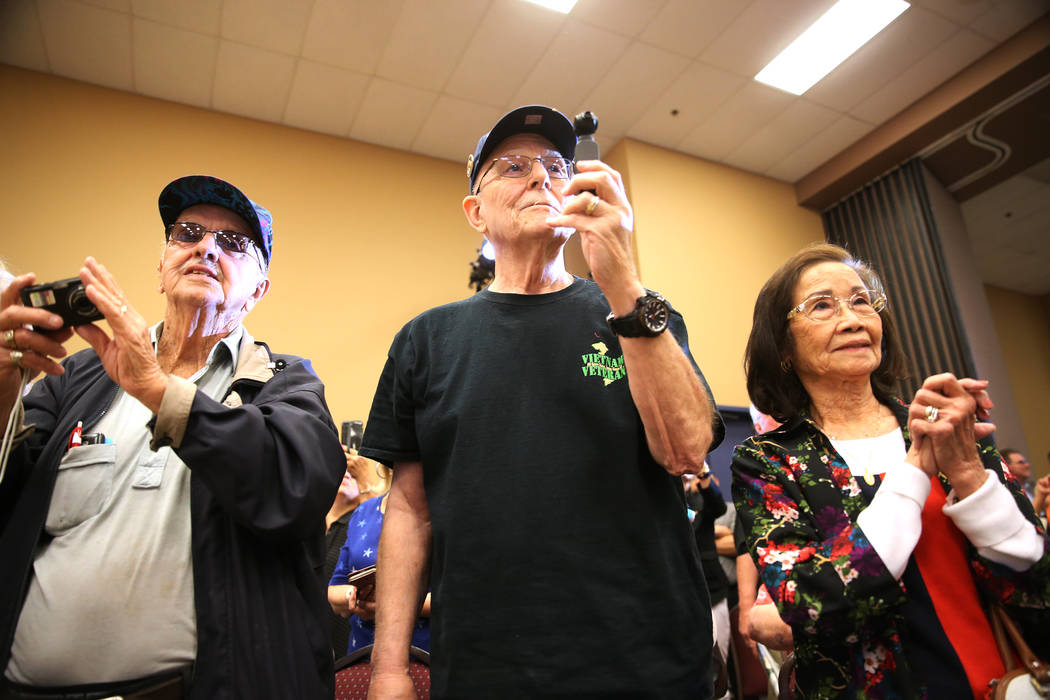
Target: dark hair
{"points": [[777, 390], [1007, 453]]}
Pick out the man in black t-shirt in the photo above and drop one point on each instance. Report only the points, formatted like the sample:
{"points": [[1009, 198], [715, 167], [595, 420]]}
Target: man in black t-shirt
{"points": [[537, 447]]}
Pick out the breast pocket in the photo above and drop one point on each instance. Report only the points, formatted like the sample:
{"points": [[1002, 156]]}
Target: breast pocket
{"points": [[85, 479]]}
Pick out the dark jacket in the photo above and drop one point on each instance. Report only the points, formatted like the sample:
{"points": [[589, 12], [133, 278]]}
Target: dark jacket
{"points": [[265, 466]]}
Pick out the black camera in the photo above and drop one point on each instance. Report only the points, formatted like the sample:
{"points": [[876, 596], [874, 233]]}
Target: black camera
{"points": [[351, 433], [66, 298]]}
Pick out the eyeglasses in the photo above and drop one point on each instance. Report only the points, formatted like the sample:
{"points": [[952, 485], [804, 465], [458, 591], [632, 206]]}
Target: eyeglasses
{"points": [[521, 166], [190, 233], [824, 307]]}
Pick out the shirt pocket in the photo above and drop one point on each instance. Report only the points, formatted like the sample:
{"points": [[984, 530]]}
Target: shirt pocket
{"points": [[149, 472], [84, 482]]}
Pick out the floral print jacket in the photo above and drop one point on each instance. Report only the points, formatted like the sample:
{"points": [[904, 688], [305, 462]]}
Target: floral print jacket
{"points": [[799, 504]]}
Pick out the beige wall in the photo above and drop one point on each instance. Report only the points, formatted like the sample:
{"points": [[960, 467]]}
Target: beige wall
{"points": [[1023, 325], [708, 237], [365, 237]]}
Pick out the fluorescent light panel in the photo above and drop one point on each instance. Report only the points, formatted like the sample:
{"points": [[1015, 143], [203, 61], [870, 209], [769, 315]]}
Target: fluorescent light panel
{"points": [[563, 6], [829, 41]]}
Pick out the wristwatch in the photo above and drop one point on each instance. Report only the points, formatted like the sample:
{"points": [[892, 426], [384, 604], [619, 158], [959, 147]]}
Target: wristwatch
{"points": [[649, 318]]}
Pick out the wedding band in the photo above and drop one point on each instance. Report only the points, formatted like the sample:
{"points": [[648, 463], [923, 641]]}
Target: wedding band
{"points": [[16, 358], [123, 309], [592, 205], [9, 339], [931, 414]]}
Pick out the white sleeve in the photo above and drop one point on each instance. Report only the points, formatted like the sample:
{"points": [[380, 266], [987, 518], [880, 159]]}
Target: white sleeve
{"points": [[991, 520], [892, 522]]}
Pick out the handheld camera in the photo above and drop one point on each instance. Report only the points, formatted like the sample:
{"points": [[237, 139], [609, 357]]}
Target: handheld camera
{"points": [[351, 433], [66, 298]]}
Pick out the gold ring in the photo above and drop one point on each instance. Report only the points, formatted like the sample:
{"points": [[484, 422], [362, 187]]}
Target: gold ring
{"points": [[16, 358], [592, 205], [9, 339], [123, 309], [932, 413]]}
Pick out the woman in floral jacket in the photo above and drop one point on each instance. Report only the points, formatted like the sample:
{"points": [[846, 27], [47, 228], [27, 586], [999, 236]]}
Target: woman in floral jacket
{"points": [[877, 527]]}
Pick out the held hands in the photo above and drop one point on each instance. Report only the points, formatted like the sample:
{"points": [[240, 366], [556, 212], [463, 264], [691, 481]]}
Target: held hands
{"points": [[604, 221], [128, 356], [944, 430]]}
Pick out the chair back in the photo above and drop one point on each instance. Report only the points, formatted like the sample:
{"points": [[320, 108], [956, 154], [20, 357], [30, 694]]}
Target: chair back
{"points": [[353, 673]]}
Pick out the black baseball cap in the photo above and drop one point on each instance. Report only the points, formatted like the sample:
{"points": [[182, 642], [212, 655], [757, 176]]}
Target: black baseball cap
{"points": [[183, 193], [533, 119]]}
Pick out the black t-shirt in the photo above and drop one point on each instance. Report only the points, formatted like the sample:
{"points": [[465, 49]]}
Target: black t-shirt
{"points": [[711, 507], [563, 562]]}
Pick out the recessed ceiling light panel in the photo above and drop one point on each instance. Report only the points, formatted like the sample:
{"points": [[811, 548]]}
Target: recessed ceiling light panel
{"points": [[829, 41], [563, 6]]}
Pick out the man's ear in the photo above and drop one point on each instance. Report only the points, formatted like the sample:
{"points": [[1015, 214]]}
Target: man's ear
{"points": [[472, 210], [261, 290]]}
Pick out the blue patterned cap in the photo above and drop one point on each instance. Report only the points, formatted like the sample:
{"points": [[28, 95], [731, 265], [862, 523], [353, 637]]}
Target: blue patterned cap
{"points": [[205, 189]]}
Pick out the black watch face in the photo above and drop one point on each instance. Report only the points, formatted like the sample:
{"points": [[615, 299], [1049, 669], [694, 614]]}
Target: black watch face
{"points": [[654, 314]]}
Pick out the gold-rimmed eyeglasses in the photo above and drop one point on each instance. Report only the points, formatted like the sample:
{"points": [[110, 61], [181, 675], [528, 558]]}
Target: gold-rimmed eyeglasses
{"points": [[824, 307]]}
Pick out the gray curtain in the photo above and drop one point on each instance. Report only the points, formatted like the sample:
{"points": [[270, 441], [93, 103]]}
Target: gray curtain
{"points": [[890, 225]]}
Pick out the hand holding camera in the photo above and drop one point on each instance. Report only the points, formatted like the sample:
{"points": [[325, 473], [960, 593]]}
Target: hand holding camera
{"points": [[30, 337]]}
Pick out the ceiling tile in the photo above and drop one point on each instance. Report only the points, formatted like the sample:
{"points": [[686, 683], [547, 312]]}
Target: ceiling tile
{"points": [[453, 128], [696, 94], [391, 114], [796, 125], [1004, 19], [87, 43], [1026, 274], [115, 5], [818, 150], [350, 33], [591, 52], [21, 41], [324, 98], [746, 111], [428, 40], [760, 32], [626, 17], [276, 25], [174, 64], [943, 62], [687, 27], [489, 72], [1024, 208], [252, 82], [202, 16], [891, 52], [961, 12], [644, 72]]}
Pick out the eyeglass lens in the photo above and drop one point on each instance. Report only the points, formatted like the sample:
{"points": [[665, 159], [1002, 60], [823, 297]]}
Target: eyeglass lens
{"points": [[521, 166], [824, 307], [190, 232]]}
